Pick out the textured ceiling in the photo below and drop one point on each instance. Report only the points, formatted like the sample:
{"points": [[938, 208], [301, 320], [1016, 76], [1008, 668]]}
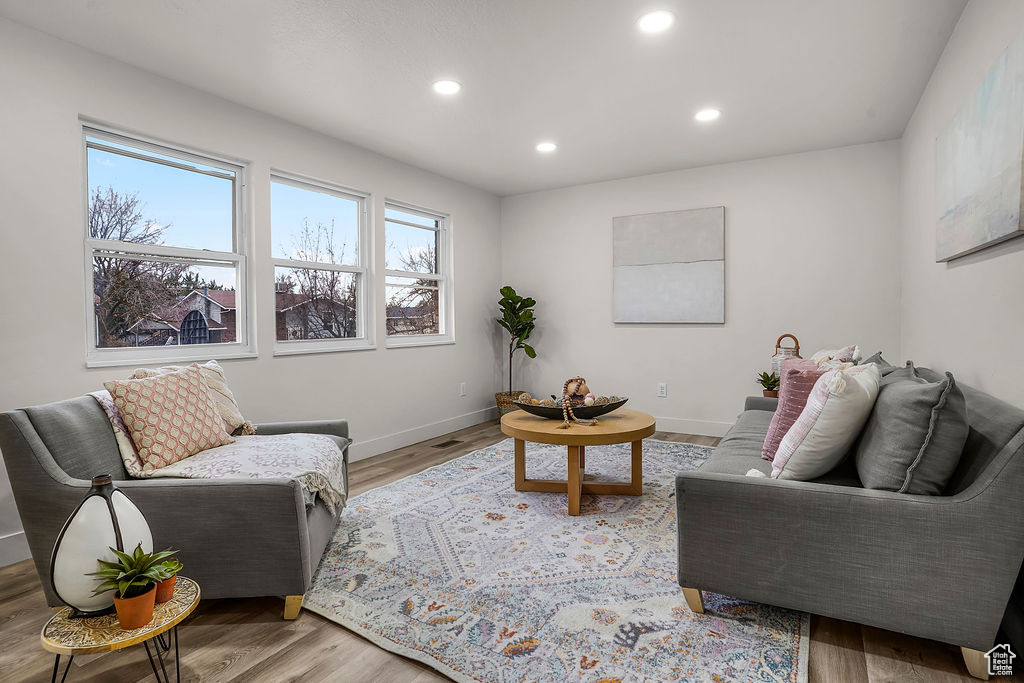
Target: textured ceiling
{"points": [[788, 75]]}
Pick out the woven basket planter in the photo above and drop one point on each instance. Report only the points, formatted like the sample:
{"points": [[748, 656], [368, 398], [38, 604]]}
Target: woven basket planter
{"points": [[504, 401]]}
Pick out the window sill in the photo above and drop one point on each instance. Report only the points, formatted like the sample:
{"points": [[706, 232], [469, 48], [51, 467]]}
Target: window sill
{"points": [[409, 342], [302, 348], [103, 359]]}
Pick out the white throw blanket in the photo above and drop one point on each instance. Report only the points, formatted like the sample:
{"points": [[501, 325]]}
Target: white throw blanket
{"points": [[314, 460]]}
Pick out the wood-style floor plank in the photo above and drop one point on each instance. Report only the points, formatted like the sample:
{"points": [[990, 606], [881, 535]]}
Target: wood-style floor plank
{"points": [[247, 640]]}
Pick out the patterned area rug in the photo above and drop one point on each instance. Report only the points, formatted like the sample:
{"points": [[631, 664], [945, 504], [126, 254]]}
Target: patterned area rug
{"points": [[455, 568]]}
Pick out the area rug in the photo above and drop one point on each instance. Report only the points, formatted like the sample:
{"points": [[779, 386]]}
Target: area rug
{"points": [[456, 569]]}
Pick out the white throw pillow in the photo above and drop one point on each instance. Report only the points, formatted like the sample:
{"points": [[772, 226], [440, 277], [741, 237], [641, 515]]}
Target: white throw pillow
{"points": [[836, 410]]}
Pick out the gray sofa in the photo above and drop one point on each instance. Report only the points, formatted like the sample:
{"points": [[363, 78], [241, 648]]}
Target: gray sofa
{"points": [[237, 537], [941, 567]]}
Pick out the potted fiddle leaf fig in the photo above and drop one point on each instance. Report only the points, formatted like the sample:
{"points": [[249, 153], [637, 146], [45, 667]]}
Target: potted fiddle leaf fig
{"points": [[134, 577], [518, 320], [769, 382]]}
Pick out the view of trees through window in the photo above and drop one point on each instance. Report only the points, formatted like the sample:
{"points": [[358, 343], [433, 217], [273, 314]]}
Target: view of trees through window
{"points": [[413, 282], [317, 269], [153, 222]]}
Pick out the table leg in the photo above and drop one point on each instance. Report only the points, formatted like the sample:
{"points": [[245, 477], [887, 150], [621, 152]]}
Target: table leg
{"points": [[583, 459], [152, 663], [520, 449], [177, 658], [56, 668], [636, 483], [575, 480]]}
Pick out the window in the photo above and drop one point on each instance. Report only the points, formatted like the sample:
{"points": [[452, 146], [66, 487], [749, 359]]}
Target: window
{"points": [[416, 276], [167, 260], [318, 233]]}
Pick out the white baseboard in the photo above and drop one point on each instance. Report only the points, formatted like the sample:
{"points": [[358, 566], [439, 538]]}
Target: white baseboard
{"points": [[361, 450], [13, 548], [702, 427]]}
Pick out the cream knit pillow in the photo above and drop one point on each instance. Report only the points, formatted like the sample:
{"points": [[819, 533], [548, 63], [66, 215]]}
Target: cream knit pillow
{"points": [[221, 394]]}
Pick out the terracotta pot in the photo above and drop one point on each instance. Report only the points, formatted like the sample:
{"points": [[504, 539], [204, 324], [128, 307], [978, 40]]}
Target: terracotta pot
{"points": [[770, 394], [165, 589], [136, 612]]}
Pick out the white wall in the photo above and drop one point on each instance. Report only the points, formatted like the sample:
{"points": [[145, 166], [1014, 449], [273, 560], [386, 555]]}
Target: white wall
{"points": [[966, 316], [391, 397], [811, 248]]}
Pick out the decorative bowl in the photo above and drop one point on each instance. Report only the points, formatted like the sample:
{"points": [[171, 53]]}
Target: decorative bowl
{"points": [[585, 412]]}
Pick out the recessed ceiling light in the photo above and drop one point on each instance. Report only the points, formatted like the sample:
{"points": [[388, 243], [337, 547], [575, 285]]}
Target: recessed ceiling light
{"points": [[656, 22], [447, 87], [707, 115], [546, 147]]}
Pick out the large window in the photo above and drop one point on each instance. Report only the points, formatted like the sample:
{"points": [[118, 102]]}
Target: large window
{"points": [[319, 236], [417, 280], [167, 266]]}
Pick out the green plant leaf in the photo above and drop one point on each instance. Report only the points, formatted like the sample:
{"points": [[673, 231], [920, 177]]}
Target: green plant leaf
{"points": [[529, 351]]}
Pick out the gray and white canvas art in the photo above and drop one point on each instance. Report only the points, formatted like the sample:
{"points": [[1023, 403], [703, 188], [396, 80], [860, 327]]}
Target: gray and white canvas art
{"points": [[979, 163], [669, 267]]}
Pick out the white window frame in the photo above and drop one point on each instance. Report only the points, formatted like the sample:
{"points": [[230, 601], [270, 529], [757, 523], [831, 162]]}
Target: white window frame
{"points": [[445, 281], [364, 338], [245, 346]]}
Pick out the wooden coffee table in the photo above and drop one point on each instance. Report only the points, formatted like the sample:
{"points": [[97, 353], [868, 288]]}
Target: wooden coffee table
{"points": [[620, 426]]}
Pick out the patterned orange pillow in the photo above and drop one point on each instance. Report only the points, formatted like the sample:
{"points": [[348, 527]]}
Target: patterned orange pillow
{"points": [[169, 417]]}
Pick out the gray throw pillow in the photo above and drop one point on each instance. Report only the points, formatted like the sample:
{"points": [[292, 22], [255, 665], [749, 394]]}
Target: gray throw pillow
{"points": [[877, 359], [914, 436]]}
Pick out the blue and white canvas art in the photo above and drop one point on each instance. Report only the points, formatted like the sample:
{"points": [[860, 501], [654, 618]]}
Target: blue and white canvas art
{"points": [[979, 163]]}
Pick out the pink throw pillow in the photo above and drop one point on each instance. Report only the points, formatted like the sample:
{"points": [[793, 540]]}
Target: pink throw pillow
{"points": [[798, 378]]}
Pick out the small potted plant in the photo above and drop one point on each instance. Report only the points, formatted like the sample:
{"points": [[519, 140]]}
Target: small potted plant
{"points": [[769, 382], [517, 319], [134, 577], [165, 587]]}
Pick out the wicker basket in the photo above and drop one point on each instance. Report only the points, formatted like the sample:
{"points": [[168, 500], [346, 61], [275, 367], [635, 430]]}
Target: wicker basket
{"points": [[504, 401]]}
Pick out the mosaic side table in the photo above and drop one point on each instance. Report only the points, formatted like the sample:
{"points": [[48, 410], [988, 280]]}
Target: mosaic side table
{"points": [[71, 637]]}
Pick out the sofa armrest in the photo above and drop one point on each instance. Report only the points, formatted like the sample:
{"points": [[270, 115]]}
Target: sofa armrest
{"points": [[937, 567], [255, 526], [330, 427], [761, 403]]}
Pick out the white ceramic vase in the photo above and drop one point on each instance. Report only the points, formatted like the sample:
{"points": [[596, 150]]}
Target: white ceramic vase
{"points": [[105, 519]]}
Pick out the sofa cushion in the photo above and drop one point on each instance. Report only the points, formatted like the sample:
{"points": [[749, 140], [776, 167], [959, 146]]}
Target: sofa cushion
{"points": [[79, 437], [914, 437], [836, 410], [877, 359], [220, 392], [747, 434]]}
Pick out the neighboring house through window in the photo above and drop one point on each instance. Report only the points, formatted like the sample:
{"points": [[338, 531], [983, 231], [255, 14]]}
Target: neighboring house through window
{"points": [[166, 247], [418, 282], [318, 231]]}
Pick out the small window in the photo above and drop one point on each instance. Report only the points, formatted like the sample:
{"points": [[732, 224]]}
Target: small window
{"points": [[166, 264], [318, 232], [416, 279]]}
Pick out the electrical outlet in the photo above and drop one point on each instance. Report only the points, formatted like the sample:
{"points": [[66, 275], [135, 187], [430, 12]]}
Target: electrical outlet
{"points": [[462, 389], [662, 389]]}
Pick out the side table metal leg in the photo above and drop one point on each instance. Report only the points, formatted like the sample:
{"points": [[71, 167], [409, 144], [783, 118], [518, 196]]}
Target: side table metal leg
{"points": [[177, 657], [56, 668], [152, 662]]}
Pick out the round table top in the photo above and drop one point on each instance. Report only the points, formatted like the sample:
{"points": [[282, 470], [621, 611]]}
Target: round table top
{"points": [[620, 426], [66, 636]]}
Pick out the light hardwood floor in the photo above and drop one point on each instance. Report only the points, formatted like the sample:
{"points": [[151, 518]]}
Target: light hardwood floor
{"points": [[247, 640]]}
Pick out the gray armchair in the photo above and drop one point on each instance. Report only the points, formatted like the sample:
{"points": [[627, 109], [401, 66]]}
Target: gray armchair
{"points": [[940, 567], [237, 538]]}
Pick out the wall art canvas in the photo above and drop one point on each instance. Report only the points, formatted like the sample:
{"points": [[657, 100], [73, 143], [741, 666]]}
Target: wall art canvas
{"points": [[669, 267], [979, 163]]}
